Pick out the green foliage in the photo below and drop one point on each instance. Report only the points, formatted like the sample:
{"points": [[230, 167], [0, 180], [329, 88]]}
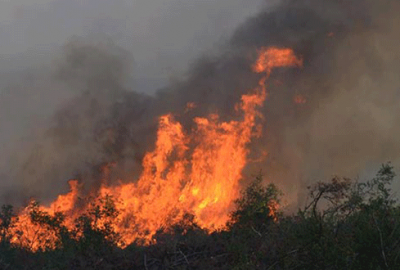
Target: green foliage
{"points": [[6, 215], [7, 254], [93, 232], [345, 225], [255, 208]]}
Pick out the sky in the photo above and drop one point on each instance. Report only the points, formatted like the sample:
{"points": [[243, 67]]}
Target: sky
{"points": [[162, 35]]}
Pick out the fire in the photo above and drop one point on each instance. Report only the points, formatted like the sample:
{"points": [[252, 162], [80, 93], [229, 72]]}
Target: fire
{"points": [[34, 236], [299, 99], [195, 172], [190, 106], [273, 57], [273, 209]]}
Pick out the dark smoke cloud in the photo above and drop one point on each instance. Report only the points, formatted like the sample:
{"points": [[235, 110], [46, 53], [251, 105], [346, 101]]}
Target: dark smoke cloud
{"points": [[346, 127], [349, 79]]}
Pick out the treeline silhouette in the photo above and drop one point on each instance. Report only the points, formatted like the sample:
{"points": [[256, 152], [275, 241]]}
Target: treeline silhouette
{"points": [[345, 225]]}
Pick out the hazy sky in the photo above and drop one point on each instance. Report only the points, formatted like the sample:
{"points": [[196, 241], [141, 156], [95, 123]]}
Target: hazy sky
{"points": [[163, 35]]}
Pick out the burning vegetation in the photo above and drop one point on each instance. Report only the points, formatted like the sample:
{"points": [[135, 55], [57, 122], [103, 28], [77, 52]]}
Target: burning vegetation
{"points": [[162, 182], [345, 225], [195, 172]]}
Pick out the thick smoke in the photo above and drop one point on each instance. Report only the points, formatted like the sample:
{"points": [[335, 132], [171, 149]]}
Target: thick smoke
{"points": [[347, 125]]}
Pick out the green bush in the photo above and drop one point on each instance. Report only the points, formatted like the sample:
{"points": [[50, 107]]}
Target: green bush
{"points": [[345, 225]]}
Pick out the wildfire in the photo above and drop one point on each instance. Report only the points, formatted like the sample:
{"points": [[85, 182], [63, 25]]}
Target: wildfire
{"points": [[273, 209], [273, 57], [299, 99], [195, 172], [190, 106]]}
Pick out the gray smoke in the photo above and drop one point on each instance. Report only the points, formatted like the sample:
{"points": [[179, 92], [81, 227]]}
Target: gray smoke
{"points": [[347, 126], [162, 35]]}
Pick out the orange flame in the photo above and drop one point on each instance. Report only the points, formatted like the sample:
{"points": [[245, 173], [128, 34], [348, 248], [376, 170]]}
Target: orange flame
{"points": [[273, 209], [190, 106], [196, 173], [273, 57], [299, 99]]}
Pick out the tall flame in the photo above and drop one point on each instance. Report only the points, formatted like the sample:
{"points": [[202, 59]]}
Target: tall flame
{"points": [[196, 173]]}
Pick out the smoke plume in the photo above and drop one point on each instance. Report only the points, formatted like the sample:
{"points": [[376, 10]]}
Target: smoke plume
{"points": [[337, 115]]}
